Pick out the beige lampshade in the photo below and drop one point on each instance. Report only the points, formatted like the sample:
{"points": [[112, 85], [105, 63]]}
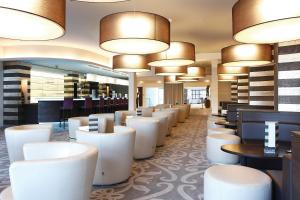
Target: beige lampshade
{"points": [[195, 72], [179, 54], [32, 19], [235, 71], [168, 71], [170, 80], [266, 21], [101, 1], [227, 78], [134, 33], [130, 63], [247, 55], [186, 79]]}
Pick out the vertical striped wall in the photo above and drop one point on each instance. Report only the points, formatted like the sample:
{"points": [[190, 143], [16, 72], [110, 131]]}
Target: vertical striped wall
{"points": [[261, 86], [69, 81], [15, 78], [234, 92], [289, 76], [242, 89]]}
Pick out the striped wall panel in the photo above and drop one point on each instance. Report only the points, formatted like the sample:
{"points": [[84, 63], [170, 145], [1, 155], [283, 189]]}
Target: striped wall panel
{"points": [[69, 81], [243, 89], [289, 76], [16, 79], [261, 86], [234, 92]]}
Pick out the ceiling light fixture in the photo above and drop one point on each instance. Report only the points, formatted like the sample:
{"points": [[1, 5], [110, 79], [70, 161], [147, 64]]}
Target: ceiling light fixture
{"points": [[32, 19], [195, 72], [170, 80], [168, 71], [101, 1], [234, 71], [227, 78], [130, 63], [134, 33], [186, 79], [179, 54], [266, 21], [247, 55]]}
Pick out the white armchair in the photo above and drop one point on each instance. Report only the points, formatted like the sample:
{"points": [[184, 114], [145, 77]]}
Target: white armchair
{"points": [[176, 113], [147, 130], [74, 123], [17, 136], [115, 154], [163, 127], [120, 116], [52, 171], [182, 114], [106, 122]]}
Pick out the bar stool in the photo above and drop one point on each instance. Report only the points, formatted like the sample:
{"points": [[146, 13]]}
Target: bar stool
{"points": [[66, 111], [88, 106]]}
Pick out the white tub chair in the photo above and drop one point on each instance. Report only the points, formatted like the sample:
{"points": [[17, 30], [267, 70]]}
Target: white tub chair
{"points": [[163, 128], [106, 122], [52, 171], [147, 111], [176, 111], [115, 154], [162, 106], [147, 130], [182, 113], [17, 136], [74, 123], [120, 117], [171, 119]]}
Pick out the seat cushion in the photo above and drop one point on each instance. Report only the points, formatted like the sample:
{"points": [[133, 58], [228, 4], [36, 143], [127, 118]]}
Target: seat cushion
{"points": [[6, 194]]}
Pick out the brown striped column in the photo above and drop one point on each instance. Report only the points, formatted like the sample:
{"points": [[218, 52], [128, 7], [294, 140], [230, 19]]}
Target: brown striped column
{"points": [[243, 89], [289, 76], [234, 92], [69, 81], [16, 91], [261, 86]]}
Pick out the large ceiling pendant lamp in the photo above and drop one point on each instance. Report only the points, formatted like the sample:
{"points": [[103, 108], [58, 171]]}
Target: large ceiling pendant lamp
{"points": [[170, 80], [266, 21], [234, 71], [186, 79], [32, 19], [130, 63], [227, 78], [168, 71], [195, 72], [179, 54], [101, 1], [134, 33], [247, 55]]}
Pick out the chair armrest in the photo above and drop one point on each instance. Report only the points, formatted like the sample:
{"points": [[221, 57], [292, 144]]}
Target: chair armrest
{"points": [[287, 177]]}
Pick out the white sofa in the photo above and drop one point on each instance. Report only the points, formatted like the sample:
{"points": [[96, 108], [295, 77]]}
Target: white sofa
{"points": [[147, 130], [17, 136], [115, 154], [74, 123], [52, 171]]}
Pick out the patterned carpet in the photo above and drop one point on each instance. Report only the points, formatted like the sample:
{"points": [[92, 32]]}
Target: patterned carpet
{"points": [[174, 173]]}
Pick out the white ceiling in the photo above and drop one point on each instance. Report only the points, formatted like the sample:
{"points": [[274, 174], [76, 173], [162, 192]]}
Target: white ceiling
{"points": [[206, 23]]}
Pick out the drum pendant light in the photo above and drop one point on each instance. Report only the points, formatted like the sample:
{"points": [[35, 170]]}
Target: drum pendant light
{"points": [[266, 21], [179, 54], [32, 19], [134, 33], [170, 80], [227, 78], [186, 79], [247, 55], [101, 1], [234, 71], [130, 63], [168, 71]]}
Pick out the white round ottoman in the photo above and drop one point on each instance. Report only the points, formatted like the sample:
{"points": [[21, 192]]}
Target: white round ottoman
{"points": [[232, 182], [214, 143], [211, 131], [211, 124]]}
